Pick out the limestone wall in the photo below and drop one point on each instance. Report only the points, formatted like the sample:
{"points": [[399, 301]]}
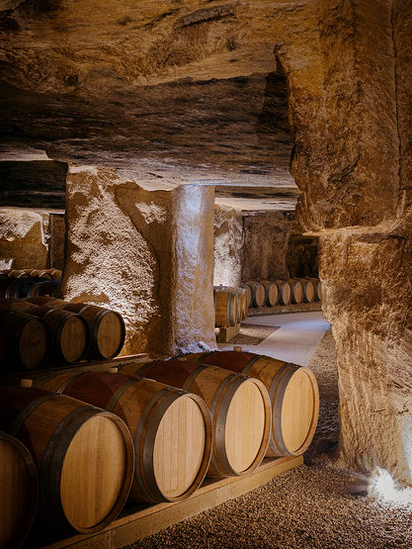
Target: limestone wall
{"points": [[228, 245], [266, 239], [146, 254], [32, 238]]}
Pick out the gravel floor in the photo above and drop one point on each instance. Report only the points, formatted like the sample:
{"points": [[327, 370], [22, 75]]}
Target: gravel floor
{"points": [[314, 506]]}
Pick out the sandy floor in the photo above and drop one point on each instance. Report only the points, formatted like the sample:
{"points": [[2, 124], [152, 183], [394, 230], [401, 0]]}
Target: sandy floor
{"points": [[314, 506]]}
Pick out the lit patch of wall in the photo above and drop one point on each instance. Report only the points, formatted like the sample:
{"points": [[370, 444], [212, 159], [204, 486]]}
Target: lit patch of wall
{"points": [[228, 244], [194, 311]]}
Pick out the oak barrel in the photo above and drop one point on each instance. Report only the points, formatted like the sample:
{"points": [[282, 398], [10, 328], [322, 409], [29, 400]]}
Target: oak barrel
{"points": [[285, 292], [309, 291], [248, 293], [243, 303], [84, 456], [171, 429], [28, 287], [258, 293], [226, 304], [272, 293], [50, 274], [17, 273], [242, 300], [107, 328], [18, 492], [318, 288], [70, 332], [297, 290], [293, 392], [27, 340], [240, 409]]}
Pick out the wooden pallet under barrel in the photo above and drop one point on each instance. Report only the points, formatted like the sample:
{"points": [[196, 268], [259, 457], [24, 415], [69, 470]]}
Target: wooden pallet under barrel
{"points": [[138, 523]]}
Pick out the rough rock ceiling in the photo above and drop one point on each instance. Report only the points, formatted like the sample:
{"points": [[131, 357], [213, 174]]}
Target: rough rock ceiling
{"points": [[211, 111]]}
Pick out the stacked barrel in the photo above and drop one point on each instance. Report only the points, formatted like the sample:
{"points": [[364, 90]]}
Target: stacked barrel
{"points": [[38, 331], [44, 474], [151, 431], [231, 305], [30, 283], [269, 293], [292, 389]]}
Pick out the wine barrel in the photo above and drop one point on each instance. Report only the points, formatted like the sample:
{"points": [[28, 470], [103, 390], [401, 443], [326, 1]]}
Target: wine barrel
{"points": [[258, 293], [27, 340], [272, 293], [318, 288], [70, 332], [84, 456], [243, 303], [49, 274], [240, 408], [19, 492], [226, 306], [297, 290], [107, 328], [16, 287], [18, 273], [241, 296], [45, 288], [285, 292], [39, 273], [308, 290], [248, 293], [293, 392], [171, 429]]}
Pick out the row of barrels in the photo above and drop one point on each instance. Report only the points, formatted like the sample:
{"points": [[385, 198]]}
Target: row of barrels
{"points": [[39, 331], [48, 274], [231, 305], [19, 288], [151, 438], [261, 293]]}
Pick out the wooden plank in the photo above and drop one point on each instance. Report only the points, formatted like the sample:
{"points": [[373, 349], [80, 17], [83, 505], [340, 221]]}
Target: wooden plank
{"points": [[148, 520], [226, 334], [13, 378]]}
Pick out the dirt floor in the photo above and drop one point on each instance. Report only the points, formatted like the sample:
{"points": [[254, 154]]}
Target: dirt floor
{"points": [[314, 506]]}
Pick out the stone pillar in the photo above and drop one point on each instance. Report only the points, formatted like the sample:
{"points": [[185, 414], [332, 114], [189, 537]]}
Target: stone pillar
{"points": [[146, 254], [368, 301], [353, 165]]}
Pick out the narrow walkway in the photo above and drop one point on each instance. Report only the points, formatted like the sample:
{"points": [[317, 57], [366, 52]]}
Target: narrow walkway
{"points": [[296, 339]]}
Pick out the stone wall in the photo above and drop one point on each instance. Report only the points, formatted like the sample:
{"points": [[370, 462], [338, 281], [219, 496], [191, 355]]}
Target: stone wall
{"points": [[266, 240], [146, 254], [32, 238], [228, 244]]}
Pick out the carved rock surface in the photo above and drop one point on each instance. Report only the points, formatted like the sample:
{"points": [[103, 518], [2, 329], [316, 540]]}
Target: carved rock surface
{"points": [[266, 245], [143, 254], [22, 237], [228, 245]]}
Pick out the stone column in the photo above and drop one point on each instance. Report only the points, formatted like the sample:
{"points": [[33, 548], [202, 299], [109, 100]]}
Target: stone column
{"points": [[368, 301], [147, 254], [353, 165]]}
